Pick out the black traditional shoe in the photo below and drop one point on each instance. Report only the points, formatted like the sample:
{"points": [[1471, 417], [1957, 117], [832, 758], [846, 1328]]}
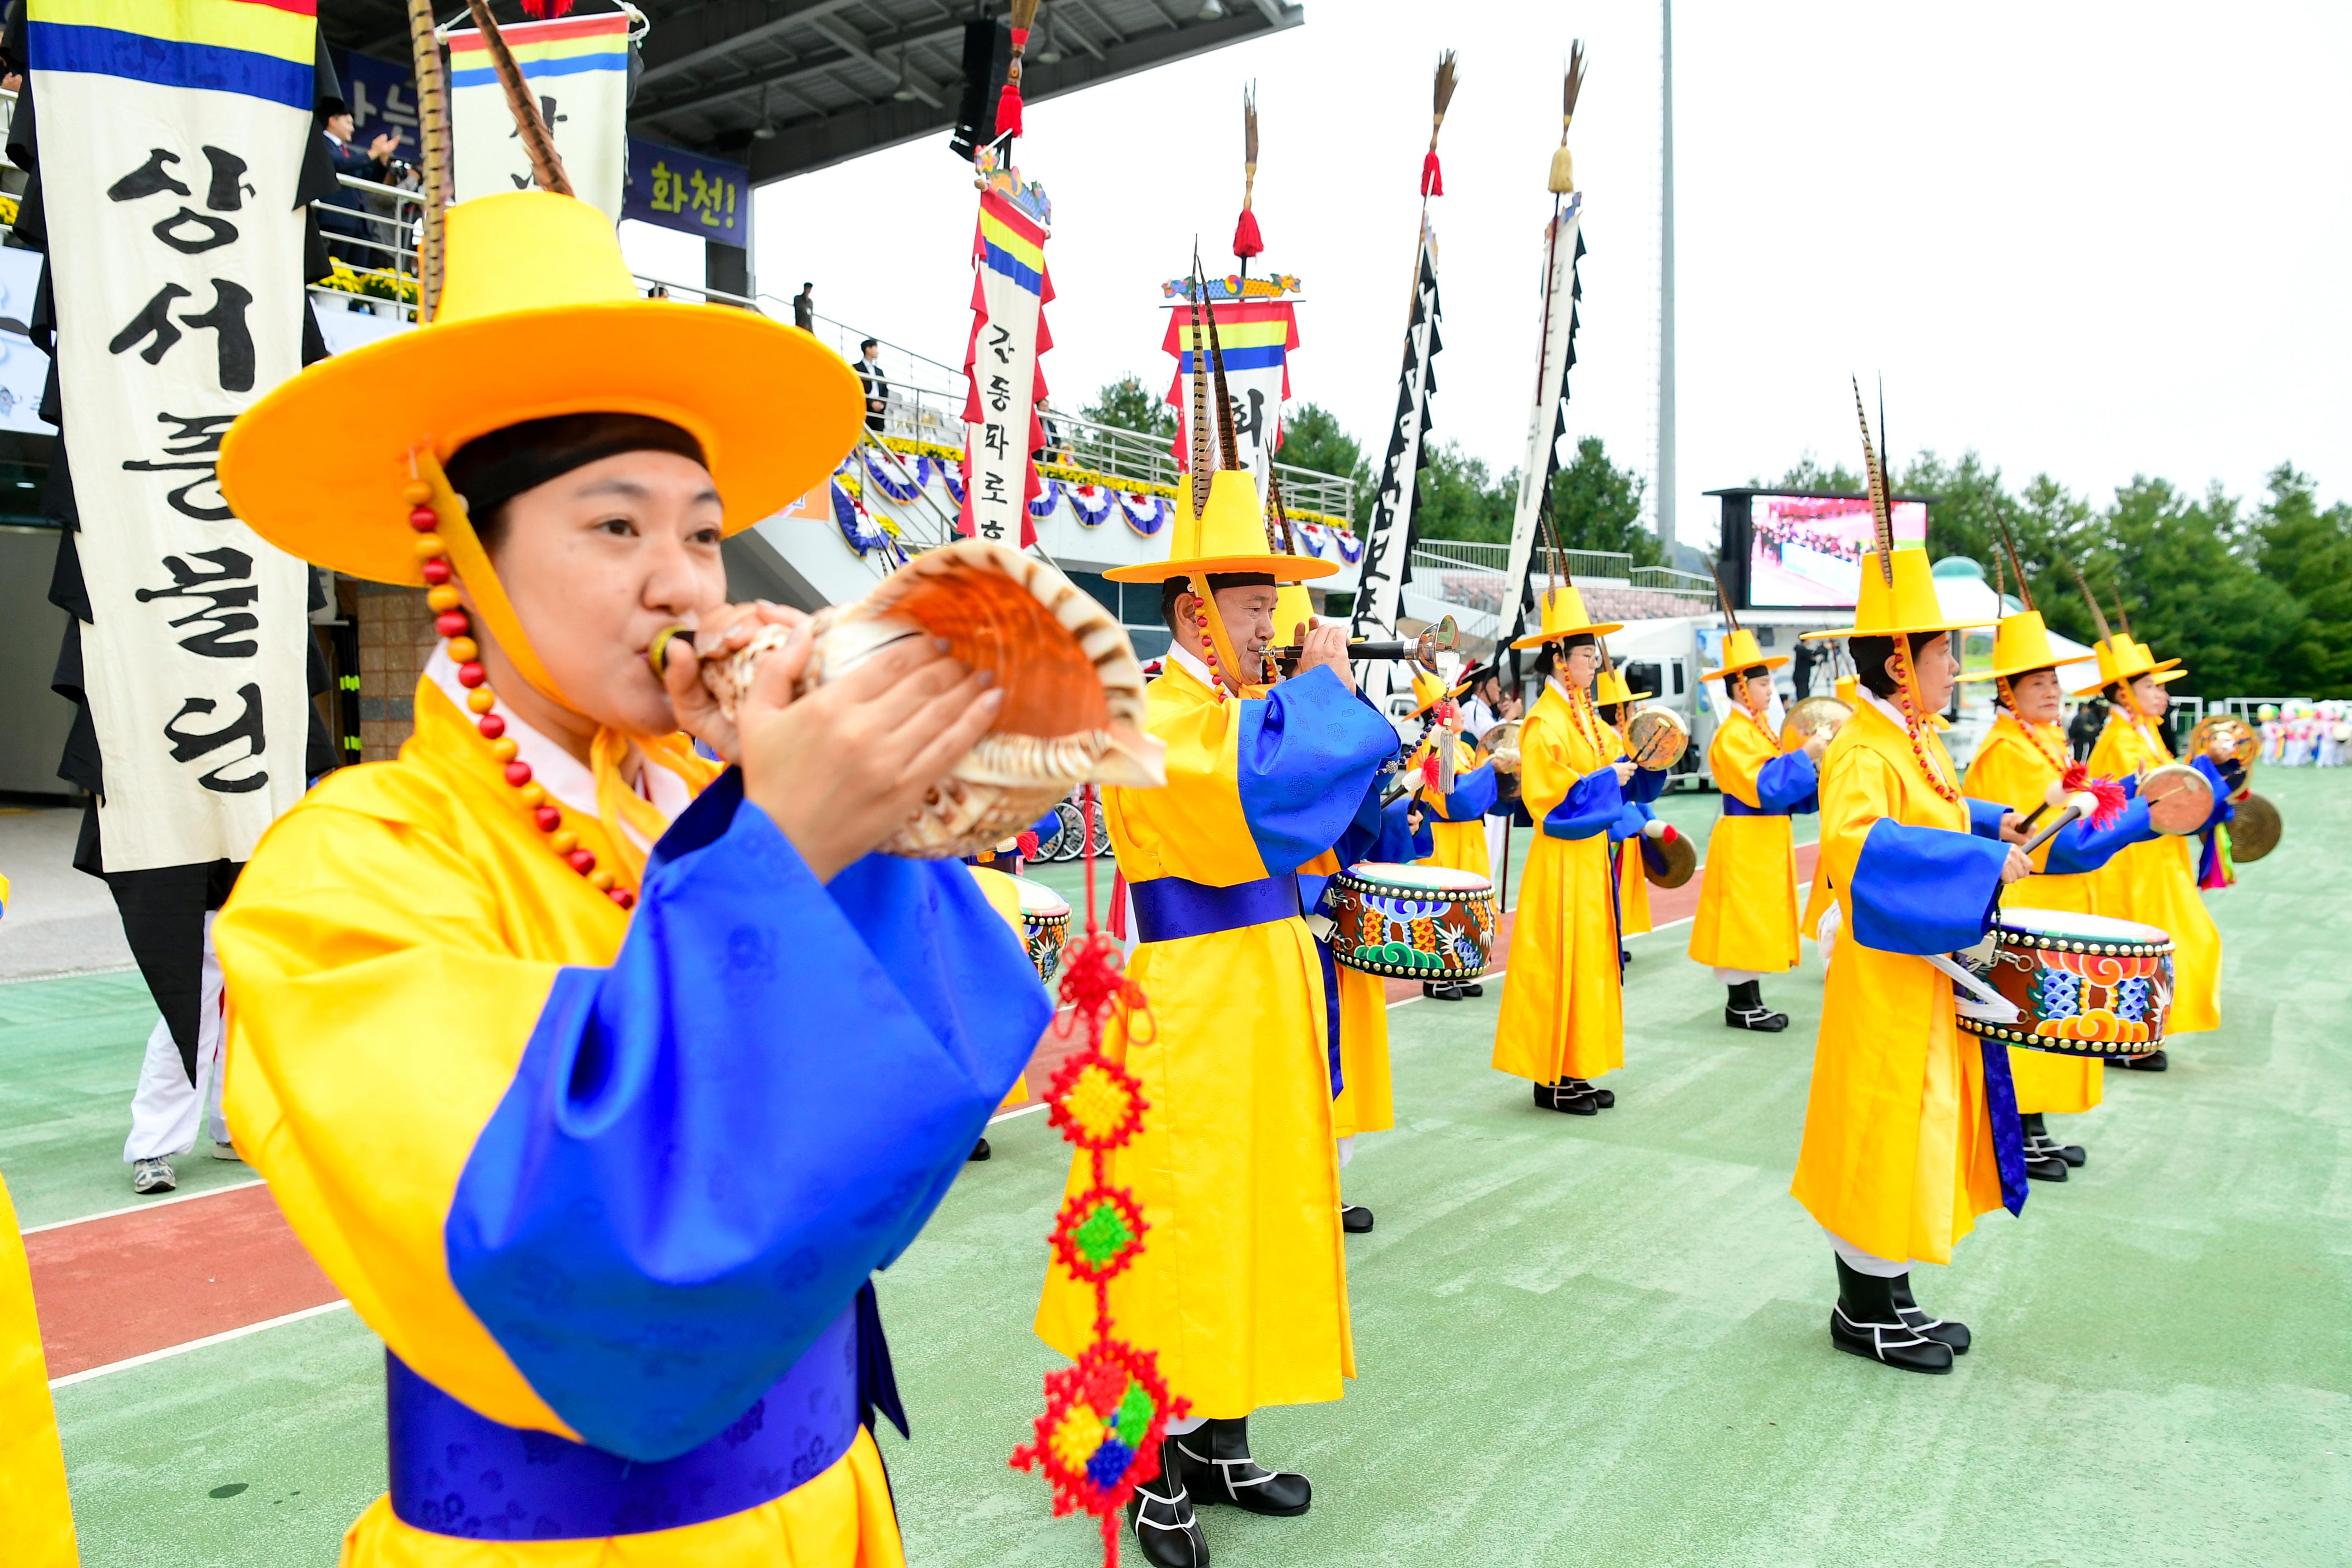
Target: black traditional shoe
{"points": [[1605, 1099], [1355, 1218], [1744, 1009], [1160, 1514], [2072, 1153], [1866, 1322], [1568, 1096], [2152, 1062], [1940, 1330], [979, 1151], [1217, 1465], [2045, 1168], [1472, 989], [1624, 958]]}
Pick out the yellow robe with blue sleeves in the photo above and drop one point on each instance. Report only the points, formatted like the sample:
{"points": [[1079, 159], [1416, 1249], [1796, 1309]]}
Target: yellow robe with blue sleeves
{"points": [[2154, 883], [610, 1185], [1563, 1012], [1898, 1157], [1747, 916], [2015, 768], [1242, 1287], [1458, 820]]}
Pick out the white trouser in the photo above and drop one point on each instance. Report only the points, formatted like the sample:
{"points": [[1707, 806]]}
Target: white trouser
{"points": [[1862, 1262], [1736, 976], [165, 1109]]}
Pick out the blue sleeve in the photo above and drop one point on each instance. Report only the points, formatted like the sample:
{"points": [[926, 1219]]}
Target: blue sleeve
{"points": [[1647, 785], [2222, 810], [2083, 848], [708, 1146], [1473, 796], [1365, 836], [1984, 820], [1590, 808], [1924, 889], [1789, 783], [1400, 842], [1309, 749], [1628, 822]]}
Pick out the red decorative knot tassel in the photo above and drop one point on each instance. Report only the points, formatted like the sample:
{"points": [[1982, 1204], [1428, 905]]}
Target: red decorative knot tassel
{"points": [[1105, 1417], [1432, 178], [1026, 844], [1246, 241], [1430, 773], [541, 10]]}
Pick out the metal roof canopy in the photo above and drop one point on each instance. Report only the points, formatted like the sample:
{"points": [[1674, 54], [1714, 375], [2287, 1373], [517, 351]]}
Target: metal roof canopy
{"points": [[836, 79]]}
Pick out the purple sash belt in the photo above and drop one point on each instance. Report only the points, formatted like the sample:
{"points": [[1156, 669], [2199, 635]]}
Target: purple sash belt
{"points": [[1169, 908], [455, 1472]]}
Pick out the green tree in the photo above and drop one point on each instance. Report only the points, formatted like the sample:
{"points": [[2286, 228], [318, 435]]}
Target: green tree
{"points": [[2185, 571], [2308, 552], [1127, 405], [1312, 439], [1596, 505], [1808, 473], [1460, 498]]}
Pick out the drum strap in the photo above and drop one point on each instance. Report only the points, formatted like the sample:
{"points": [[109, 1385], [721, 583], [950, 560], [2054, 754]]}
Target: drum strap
{"points": [[1169, 909]]}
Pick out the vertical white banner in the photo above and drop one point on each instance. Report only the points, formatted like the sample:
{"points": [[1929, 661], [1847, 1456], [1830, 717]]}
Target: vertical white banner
{"points": [[175, 249], [1380, 578], [1001, 424], [1555, 339], [578, 69]]}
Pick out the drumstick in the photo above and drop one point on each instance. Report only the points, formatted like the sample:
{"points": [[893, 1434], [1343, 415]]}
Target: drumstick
{"points": [[2078, 807]]}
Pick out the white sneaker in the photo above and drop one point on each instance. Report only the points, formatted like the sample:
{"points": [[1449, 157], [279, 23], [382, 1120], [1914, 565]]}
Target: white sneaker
{"points": [[152, 1176], [227, 1151]]}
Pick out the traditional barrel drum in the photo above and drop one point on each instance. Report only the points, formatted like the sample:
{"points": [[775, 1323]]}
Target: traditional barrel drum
{"points": [[2085, 986], [1046, 916], [1416, 922]]}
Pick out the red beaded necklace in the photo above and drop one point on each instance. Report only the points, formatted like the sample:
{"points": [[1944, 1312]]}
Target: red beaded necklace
{"points": [[1912, 724], [1587, 723], [452, 622]]}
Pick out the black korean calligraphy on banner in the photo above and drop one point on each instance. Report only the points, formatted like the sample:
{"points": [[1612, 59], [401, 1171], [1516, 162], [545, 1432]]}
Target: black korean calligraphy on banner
{"points": [[1388, 546], [578, 68], [1009, 292], [175, 249]]}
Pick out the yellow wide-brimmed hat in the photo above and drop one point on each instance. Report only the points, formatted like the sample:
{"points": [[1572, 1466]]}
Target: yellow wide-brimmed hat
{"points": [[1229, 536], [1564, 617], [539, 318], [2166, 670], [1905, 605], [2021, 643], [1429, 690], [2122, 660], [1609, 687], [1742, 651]]}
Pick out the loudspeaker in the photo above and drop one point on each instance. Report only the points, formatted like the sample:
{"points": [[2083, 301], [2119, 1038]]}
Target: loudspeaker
{"points": [[987, 56]]}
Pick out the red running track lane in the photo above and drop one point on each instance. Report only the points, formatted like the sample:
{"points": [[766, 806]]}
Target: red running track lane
{"points": [[128, 1284]]}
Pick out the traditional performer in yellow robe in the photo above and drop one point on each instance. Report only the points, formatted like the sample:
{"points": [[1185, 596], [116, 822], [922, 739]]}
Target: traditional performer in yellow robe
{"points": [[1909, 1131], [1457, 815], [1847, 689], [1637, 830], [1746, 926], [2156, 883], [598, 1080], [2020, 756], [1563, 1014], [1243, 1288]]}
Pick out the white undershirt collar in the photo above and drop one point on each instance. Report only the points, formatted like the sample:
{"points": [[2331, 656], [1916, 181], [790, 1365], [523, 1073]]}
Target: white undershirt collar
{"points": [[1185, 660], [557, 771]]}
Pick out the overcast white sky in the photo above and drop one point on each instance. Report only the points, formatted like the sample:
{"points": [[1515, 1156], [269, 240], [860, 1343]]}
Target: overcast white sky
{"points": [[2092, 239]]}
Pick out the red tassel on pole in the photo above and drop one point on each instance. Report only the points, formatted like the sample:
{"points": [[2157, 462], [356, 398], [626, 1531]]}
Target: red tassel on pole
{"points": [[541, 10], [1008, 103], [1432, 178], [1247, 242]]}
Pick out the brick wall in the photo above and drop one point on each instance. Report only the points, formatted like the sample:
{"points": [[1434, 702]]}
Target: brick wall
{"points": [[396, 636]]}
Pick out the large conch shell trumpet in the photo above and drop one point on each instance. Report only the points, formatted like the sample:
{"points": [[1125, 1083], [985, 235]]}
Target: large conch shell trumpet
{"points": [[1073, 689]]}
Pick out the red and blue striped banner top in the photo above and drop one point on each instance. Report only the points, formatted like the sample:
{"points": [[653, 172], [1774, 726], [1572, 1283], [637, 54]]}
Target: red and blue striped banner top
{"points": [[261, 48]]}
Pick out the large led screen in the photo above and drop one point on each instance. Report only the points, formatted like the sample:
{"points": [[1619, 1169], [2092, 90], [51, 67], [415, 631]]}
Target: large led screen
{"points": [[1807, 551]]}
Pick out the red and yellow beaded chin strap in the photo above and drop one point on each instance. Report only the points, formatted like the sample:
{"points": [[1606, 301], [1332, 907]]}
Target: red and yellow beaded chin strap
{"points": [[1219, 654], [1906, 693], [443, 531]]}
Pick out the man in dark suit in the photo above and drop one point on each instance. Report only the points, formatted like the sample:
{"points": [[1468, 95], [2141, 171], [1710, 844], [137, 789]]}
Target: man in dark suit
{"points": [[343, 213], [804, 307], [877, 389]]}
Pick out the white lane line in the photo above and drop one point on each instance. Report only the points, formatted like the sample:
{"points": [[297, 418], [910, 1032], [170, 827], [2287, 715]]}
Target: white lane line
{"points": [[1024, 1110], [143, 1208], [124, 1365]]}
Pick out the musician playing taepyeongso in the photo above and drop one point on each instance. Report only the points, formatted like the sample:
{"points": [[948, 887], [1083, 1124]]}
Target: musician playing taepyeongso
{"points": [[1243, 1289], [2022, 754]]}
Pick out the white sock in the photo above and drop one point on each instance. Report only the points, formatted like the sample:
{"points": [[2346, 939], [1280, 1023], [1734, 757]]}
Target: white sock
{"points": [[1736, 976], [1346, 1150], [1869, 1263]]}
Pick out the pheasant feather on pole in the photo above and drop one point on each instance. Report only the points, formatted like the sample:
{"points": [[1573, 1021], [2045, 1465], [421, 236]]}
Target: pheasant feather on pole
{"points": [[2098, 617], [2016, 568], [1882, 515], [538, 141], [1246, 240], [1721, 597], [432, 153], [1432, 178], [1203, 456], [1563, 167]]}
